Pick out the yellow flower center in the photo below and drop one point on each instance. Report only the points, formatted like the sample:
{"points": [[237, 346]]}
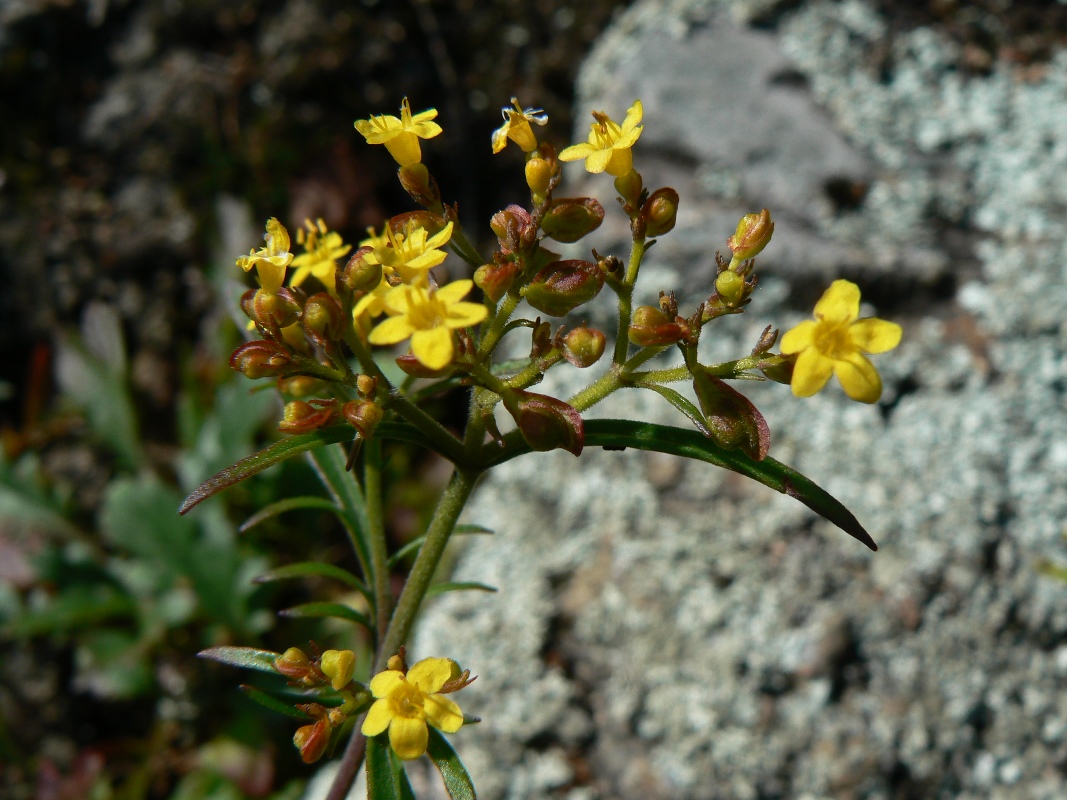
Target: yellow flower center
{"points": [[831, 339], [406, 701], [427, 314]]}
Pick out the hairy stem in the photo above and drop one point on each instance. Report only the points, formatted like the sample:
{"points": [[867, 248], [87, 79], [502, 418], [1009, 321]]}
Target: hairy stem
{"points": [[372, 487]]}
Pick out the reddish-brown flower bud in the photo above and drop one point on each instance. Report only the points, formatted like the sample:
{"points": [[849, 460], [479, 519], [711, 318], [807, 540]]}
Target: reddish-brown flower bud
{"points": [[660, 212], [547, 423], [416, 369], [752, 235], [300, 386], [260, 359], [312, 740], [650, 327], [510, 226], [495, 279], [583, 346], [294, 664], [562, 286], [432, 223], [420, 185], [323, 319], [269, 308], [361, 274], [363, 415], [569, 219], [301, 417]]}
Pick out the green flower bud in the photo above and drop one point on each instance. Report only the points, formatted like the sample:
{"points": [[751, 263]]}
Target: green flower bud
{"points": [[650, 327], [752, 235], [569, 219], [733, 422], [323, 319], [363, 415], [562, 286], [583, 347], [281, 308], [260, 359], [660, 212], [731, 288]]}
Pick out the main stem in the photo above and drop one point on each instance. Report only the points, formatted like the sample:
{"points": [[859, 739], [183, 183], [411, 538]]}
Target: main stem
{"points": [[372, 487]]}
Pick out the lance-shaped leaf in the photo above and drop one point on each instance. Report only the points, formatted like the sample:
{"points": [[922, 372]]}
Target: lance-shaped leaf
{"points": [[682, 403], [733, 421], [288, 504], [336, 610], [457, 782], [247, 657], [273, 703], [618, 434], [458, 586], [313, 569], [386, 778], [413, 546]]}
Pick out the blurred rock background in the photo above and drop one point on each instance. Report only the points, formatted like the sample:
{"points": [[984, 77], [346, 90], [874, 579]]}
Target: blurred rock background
{"points": [[666, 630]]}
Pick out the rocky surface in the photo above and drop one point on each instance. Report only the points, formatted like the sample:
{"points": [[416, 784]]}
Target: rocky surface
{"points": [[664, 629]]}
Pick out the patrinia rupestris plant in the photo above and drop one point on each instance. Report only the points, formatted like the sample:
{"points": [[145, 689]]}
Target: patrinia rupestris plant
{"points": [[322, 351]]}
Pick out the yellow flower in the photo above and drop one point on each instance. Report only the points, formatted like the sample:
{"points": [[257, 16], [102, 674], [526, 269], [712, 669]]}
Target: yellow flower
{"points": [[428, 316], [608, 148], [322, 249], [401, 136], [270, 261], [517, 127], [412, 253], [376, 239], [372, 304], [406, 703], [835, 341]]}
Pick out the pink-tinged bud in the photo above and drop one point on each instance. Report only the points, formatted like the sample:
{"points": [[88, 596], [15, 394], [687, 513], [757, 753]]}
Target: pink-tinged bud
{"points": [[660, 212], [293, 664], [260, 359], [432, 223], [730, 287], [361, 274], [547, 423], [650, 327], [562, 286], [416, 369], [733, 422], [495, 279], [752, 235], [539, 174], [281, 308], [300, 386], [420, 185], [301, 417], [312, 740], [583, 347], [323, 319], [629, 187], [510, 225], [363, 415], [569, 219], [338, 665]]}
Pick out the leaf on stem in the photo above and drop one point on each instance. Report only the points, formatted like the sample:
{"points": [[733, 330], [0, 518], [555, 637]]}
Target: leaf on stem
{"points": [[273, 703], [457, 782], [459, 586], [246, 657], [289, 504], [413, 546], [336, 610], [312, 569], [386, 778], [734, 421]]}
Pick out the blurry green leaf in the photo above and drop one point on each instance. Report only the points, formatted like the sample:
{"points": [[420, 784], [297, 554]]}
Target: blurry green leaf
{"points": [[457, 781], [289, 504], [76, 607], [441, 588], [114, 664], [386, 779], [413, 546], [246, 657], [682, 403], [274, 704], [309, 569], [329, 464], [335, 610]]}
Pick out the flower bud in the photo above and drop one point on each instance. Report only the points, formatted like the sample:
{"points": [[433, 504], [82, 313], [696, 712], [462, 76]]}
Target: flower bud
{"points": [[495, 279], [562, 286], [650, 327], [733, 422], [510, 225], [281, 308], [660, 211], [367, 385], [416, 369], [731, 288], [583, 346], [778, 369], [301, 417], [363, 415], [300, 386], [752, 235], [398, 661], [338, 665], [323, 319], [547, 423], [432, 223], [293, 664], [260, 359], [312, 740], [361, 274], [420, 185], [569, 219], [539, 176]]}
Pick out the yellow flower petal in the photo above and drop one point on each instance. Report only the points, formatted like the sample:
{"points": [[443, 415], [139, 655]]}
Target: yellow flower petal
{"points": [[858, 378], [408, 737], [439, 239], [620, 163], [404, 148], [811, 372], [633, 117], [462, 315], [432, 347], [431, 674], [576, 152], [393, 330], [799, 337], [443, 713], [385, 681], [874, 335], [455, 291], [597, 161], [839, 303], [377, 719]]}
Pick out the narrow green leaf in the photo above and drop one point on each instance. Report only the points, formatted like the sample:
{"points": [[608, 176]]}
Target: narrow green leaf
{"points": [[475, 529], [273, 703], [329, 465], [247, 657], [312, 569], [457, 781], [386, 779], [336, 610], [441, 588], [682, 403], [414, 545], [618, 434], [289, 504], [268, 457]]}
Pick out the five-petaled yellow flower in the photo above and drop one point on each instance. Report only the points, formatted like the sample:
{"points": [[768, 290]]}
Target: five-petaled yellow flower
{"points": [[608, 148], [406, 703], [401, 136], [428, 316], [322, 249], [413, 252], [517, 127], [835, 342], [270, 261]]}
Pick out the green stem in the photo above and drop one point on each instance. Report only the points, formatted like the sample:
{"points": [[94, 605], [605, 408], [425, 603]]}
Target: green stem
{"points": [[496, 325], [670, 375], [598, 390], [443, 441], [625, 293], [444, 520], [463, 248], [379, 556]]}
